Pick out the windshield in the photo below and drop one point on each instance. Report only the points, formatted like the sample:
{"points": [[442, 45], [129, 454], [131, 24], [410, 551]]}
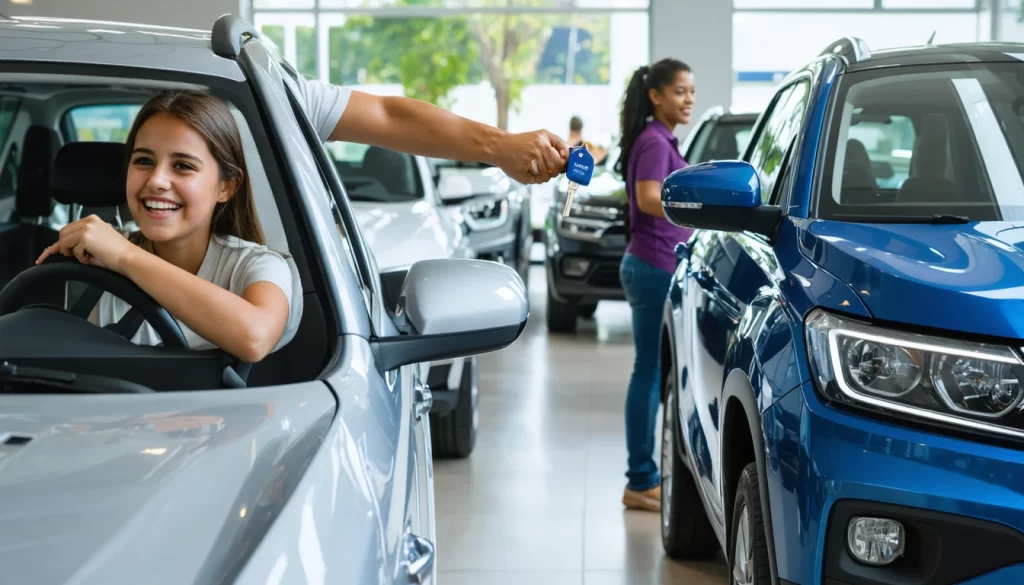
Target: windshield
{"points": [[927, 140], [371, 173], [726, 141]]}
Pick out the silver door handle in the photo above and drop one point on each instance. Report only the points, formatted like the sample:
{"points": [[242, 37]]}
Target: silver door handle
{"points": [[424, 400], [419, 556]]}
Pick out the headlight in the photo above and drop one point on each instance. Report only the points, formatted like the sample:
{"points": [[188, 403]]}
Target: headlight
{"points": [[486, 215], [973, 385]]}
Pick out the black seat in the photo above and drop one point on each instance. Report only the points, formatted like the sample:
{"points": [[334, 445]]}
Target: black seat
{"points": [[89, 174], [929, 180], [858, 186], [27, 234]]}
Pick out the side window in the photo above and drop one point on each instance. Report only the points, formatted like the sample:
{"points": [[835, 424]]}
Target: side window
{"points": [[777, 135], [100, 123], [9, 174]]}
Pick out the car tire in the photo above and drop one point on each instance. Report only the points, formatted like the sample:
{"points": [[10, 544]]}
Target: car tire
{"points": [[748, 557], [686, 532], [587, 311], [561, 316], [453, 435]]}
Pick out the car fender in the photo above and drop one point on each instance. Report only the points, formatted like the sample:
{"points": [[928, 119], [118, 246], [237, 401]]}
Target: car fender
{"points": [[738, 386]]}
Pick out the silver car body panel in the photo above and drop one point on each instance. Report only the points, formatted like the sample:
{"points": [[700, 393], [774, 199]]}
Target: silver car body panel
{"points": [[107, 486]]}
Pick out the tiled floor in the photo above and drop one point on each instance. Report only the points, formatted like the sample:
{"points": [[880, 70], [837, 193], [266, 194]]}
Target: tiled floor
{"points": [[538, 501]]}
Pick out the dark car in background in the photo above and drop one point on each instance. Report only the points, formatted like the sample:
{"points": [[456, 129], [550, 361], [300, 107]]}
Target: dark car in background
{"points": [[583, 250]]}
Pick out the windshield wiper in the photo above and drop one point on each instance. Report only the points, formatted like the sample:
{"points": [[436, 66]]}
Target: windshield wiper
{"points": [[938, 218], [30, 378]]}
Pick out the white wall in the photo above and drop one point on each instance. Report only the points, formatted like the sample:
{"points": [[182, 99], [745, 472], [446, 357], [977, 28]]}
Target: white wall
{"points": [[199, 14], [699, 33]]}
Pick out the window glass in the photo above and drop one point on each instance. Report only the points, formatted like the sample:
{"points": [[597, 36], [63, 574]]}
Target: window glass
{"points": [[725, 141], [103, 123], [924, 140], [777, 137], [372, 173], [889, 144]]}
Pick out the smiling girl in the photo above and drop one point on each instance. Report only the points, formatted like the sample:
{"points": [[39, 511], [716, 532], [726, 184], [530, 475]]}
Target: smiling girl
{"points": [[199, 251]]}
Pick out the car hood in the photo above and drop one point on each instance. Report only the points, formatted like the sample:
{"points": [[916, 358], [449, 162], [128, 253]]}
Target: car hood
{"points": [[485, 181], [401, 234], [962, 278], [154, 488]]}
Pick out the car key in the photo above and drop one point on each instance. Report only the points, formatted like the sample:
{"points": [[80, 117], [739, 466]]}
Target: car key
{"points": [[579, 170]]}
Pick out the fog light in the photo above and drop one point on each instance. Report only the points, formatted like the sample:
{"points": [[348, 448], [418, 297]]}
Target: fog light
{"points": [[575, 267], [875, 541]]}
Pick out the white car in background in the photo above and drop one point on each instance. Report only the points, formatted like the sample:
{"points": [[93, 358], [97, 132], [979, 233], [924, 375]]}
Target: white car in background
{"points": [[493, 209], [402, 219]]}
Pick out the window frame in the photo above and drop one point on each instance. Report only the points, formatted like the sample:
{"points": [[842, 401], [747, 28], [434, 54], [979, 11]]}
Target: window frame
{"points": [[364, 263], [785, 92]]}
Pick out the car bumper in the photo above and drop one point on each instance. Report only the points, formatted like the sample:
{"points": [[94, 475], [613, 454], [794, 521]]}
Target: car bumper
{"points": [[583, 269], [961, 501], [493, 243]]}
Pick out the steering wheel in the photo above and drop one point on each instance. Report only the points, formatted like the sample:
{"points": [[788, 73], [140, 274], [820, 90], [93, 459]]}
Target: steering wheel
{"points": [[58, 269]]}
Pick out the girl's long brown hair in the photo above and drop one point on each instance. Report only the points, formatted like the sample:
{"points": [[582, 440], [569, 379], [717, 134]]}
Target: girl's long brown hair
{"points": [[212, 119]]}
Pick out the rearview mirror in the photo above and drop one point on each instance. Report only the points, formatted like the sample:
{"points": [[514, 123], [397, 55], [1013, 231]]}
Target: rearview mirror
{"points": [[718, 195], [453, 308]]}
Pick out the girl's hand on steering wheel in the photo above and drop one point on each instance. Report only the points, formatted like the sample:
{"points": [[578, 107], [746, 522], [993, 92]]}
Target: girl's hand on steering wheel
{"points": [[92, 241]]}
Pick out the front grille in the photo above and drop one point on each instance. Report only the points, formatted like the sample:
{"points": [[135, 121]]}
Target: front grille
{"points": [[605, 275]]}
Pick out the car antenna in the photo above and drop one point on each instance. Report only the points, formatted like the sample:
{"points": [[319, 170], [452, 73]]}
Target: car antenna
{"points": [[931, 38]]}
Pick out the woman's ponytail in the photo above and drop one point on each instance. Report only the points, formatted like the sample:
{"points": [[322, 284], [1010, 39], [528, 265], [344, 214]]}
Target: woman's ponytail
{"points": [[636, 108]]}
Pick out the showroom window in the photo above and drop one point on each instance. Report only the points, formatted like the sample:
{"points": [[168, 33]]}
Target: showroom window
{"points": [[800, 29], [515, 64]]}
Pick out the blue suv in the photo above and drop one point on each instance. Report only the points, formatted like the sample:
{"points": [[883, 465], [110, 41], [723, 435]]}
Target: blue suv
{"points": [[842, 342]]}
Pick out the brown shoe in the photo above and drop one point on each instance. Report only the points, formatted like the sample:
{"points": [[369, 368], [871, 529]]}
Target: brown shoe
{"points": [[649, 500]]}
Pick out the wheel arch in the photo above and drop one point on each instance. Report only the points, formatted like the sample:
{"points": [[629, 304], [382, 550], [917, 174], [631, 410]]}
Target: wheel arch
{"points": [[743, 440]]}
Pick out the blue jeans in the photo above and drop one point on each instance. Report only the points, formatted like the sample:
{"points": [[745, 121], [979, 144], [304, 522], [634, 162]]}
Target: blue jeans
{"points": [[646, 288]]}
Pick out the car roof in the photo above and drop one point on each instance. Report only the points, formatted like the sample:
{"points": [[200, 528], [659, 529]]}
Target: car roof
{"points": [[95, 42], [860, 57]]}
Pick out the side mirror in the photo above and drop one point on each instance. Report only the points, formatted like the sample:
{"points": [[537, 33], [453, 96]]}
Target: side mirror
{"points": [[718, 195], [454, 187], [455, 308]]}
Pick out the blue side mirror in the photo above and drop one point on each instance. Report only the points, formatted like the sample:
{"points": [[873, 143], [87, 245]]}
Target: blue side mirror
{"points": [[718, 195]]}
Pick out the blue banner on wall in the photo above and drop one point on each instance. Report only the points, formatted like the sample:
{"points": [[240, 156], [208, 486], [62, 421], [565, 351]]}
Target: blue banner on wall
{"points": [[761, 76]]}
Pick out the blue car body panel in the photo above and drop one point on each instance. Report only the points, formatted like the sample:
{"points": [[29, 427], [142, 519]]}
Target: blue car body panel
{"points": [[734, 329]]}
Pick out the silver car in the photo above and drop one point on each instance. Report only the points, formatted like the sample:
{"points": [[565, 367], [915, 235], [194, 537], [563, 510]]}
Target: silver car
{"points": [[125, 464]]}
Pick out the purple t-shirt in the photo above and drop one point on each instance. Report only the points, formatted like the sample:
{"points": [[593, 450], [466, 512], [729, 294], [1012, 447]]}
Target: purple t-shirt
{"points": [[654, 157]]}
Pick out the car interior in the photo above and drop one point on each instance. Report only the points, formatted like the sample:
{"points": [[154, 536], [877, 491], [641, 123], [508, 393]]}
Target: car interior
{"points": [[64, 171], [378, 174], [948, 172]]}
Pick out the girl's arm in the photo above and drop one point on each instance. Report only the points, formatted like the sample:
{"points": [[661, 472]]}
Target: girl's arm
{"points": [[248, 326], [648, 198]]}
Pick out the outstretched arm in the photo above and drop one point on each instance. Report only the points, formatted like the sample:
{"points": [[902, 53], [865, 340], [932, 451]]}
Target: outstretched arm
{"points": [[417, 127], [247, 327]]}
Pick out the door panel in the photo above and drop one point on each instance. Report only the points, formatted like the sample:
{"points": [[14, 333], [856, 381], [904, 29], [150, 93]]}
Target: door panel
{"points": [[377, 408]]}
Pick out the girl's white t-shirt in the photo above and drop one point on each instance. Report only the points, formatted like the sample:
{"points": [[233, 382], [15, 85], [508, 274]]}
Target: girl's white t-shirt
{"points": [[233, 264]]}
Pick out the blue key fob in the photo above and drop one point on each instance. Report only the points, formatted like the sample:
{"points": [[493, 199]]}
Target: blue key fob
{"points": [[580, 168]]}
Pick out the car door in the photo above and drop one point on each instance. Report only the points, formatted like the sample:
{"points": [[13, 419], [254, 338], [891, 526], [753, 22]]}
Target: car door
{"points": [[388, 421], [721, 284]]}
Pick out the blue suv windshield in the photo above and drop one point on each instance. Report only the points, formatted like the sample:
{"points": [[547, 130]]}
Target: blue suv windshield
{"points": [[925, 140]]}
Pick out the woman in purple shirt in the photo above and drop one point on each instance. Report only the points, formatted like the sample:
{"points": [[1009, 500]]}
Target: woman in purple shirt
{"points": [[657, 99]]}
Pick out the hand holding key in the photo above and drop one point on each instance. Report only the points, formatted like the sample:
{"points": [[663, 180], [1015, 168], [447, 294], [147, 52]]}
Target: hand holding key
{"points": [[579, 170]]}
